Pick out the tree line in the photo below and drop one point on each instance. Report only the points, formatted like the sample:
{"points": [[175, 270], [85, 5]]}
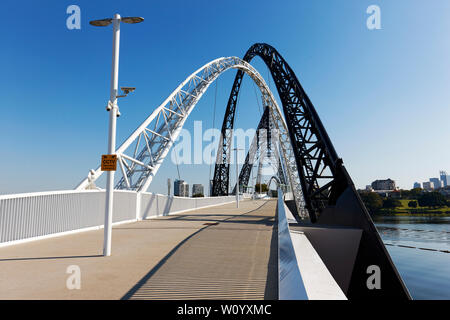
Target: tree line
{"points": [[374, 202]]}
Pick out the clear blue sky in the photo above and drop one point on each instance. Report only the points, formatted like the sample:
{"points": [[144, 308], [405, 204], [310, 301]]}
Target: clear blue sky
{"points": [[383, 95]]}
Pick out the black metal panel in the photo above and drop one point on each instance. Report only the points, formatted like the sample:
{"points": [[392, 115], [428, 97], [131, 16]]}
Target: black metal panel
{"points": [[329, 194]]}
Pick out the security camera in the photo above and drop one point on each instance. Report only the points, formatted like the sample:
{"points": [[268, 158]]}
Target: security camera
{"points": [[127, 90]]}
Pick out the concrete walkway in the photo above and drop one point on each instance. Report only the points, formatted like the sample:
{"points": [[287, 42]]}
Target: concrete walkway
{"points": [[214, 253]]}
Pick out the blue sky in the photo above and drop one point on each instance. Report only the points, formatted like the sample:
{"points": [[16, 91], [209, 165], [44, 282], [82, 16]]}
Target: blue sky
{"points": [[383, 95]]}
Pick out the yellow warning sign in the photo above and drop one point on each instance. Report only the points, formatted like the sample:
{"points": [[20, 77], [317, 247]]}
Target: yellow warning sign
{"points": [[109, 162]]}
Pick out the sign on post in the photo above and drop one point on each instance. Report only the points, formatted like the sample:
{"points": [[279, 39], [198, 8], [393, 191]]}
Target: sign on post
{"points": [[109, 162]]}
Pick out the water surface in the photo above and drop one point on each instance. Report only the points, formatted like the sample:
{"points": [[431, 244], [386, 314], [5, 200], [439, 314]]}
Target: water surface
{"points": [[417, 246]]}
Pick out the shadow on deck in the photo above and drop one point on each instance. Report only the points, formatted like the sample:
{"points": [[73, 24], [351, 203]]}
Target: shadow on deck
{"points": [[231, 258]]}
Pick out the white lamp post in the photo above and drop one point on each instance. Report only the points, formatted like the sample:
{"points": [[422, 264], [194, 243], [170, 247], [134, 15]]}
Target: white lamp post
{"points": [[113, 114]]}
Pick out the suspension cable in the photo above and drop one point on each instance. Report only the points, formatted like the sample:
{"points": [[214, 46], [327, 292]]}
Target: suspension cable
{"points": [[176, 162], [257, 100]]}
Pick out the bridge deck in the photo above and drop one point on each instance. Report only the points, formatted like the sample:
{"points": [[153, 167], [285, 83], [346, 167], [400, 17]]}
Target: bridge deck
{"points": [[213, 253]]}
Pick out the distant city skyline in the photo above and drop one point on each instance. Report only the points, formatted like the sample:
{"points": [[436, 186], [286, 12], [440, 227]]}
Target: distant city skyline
{"points": [[443, 180], [435, 183]]}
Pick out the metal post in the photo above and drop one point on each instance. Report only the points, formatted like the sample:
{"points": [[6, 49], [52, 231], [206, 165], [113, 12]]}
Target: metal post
{"points": [[112, 135]]}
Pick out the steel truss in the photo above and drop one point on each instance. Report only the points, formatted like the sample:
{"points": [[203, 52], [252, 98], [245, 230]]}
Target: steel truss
{"points": [[319, 164], [143, 152]]}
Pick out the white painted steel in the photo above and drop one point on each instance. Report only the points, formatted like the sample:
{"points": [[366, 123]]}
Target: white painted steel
{"points": [[112, 135], [155, 205], [179, 105], [35, 215], [32, 216], [213, 66], [287, 156]]}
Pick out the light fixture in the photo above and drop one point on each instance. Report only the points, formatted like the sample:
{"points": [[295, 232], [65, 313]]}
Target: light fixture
{"points": [[101, 23], [108, 21], [132, 19]]}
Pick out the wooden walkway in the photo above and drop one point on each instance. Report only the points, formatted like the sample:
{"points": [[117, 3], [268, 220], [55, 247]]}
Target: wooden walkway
{"points": [[213, 253]]}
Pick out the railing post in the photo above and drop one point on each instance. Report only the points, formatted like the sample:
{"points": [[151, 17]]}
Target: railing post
{"points": [[138, 205]]}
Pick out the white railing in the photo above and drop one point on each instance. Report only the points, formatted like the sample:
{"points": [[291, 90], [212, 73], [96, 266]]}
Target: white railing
{"points": [[155, 205], [32, 216]]}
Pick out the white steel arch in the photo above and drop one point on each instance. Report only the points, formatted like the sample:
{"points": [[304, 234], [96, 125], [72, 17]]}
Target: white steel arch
{"points": [[153, 139], [274, 178]]}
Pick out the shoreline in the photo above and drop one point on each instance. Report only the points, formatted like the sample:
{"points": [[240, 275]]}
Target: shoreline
{"points": [[412, 214]]}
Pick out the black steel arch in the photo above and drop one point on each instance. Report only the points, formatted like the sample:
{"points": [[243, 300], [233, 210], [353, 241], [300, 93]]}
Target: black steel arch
{"points": [[330, 197], [318, 163]]}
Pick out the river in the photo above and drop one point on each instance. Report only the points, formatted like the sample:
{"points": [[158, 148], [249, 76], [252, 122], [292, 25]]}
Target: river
{"points": [[417, 246]]}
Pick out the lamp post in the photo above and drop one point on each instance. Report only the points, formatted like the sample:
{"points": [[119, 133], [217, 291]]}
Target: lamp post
{"points": [[113, 114]]}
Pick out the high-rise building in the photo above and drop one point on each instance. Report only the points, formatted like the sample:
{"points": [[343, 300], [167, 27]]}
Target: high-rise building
{"points": [[428, 185], [437, 184], [417, 185], [445, 178], [180, 188], [387, 184], [197, 189], [177, 187], [185, 189]]}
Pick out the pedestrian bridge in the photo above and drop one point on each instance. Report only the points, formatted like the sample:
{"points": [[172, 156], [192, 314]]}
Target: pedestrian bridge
{"points": [[214, 252], [169, 247]]}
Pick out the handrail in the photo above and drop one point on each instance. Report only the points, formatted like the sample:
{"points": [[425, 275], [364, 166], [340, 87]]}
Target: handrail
{"points": [[32, 216]]}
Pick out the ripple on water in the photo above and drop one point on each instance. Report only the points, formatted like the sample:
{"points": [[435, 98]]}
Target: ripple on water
{"points": [[425, 273]]}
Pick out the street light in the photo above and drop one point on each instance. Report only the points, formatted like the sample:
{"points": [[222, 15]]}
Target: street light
{"points": [[108, 21], [113, 114]]}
